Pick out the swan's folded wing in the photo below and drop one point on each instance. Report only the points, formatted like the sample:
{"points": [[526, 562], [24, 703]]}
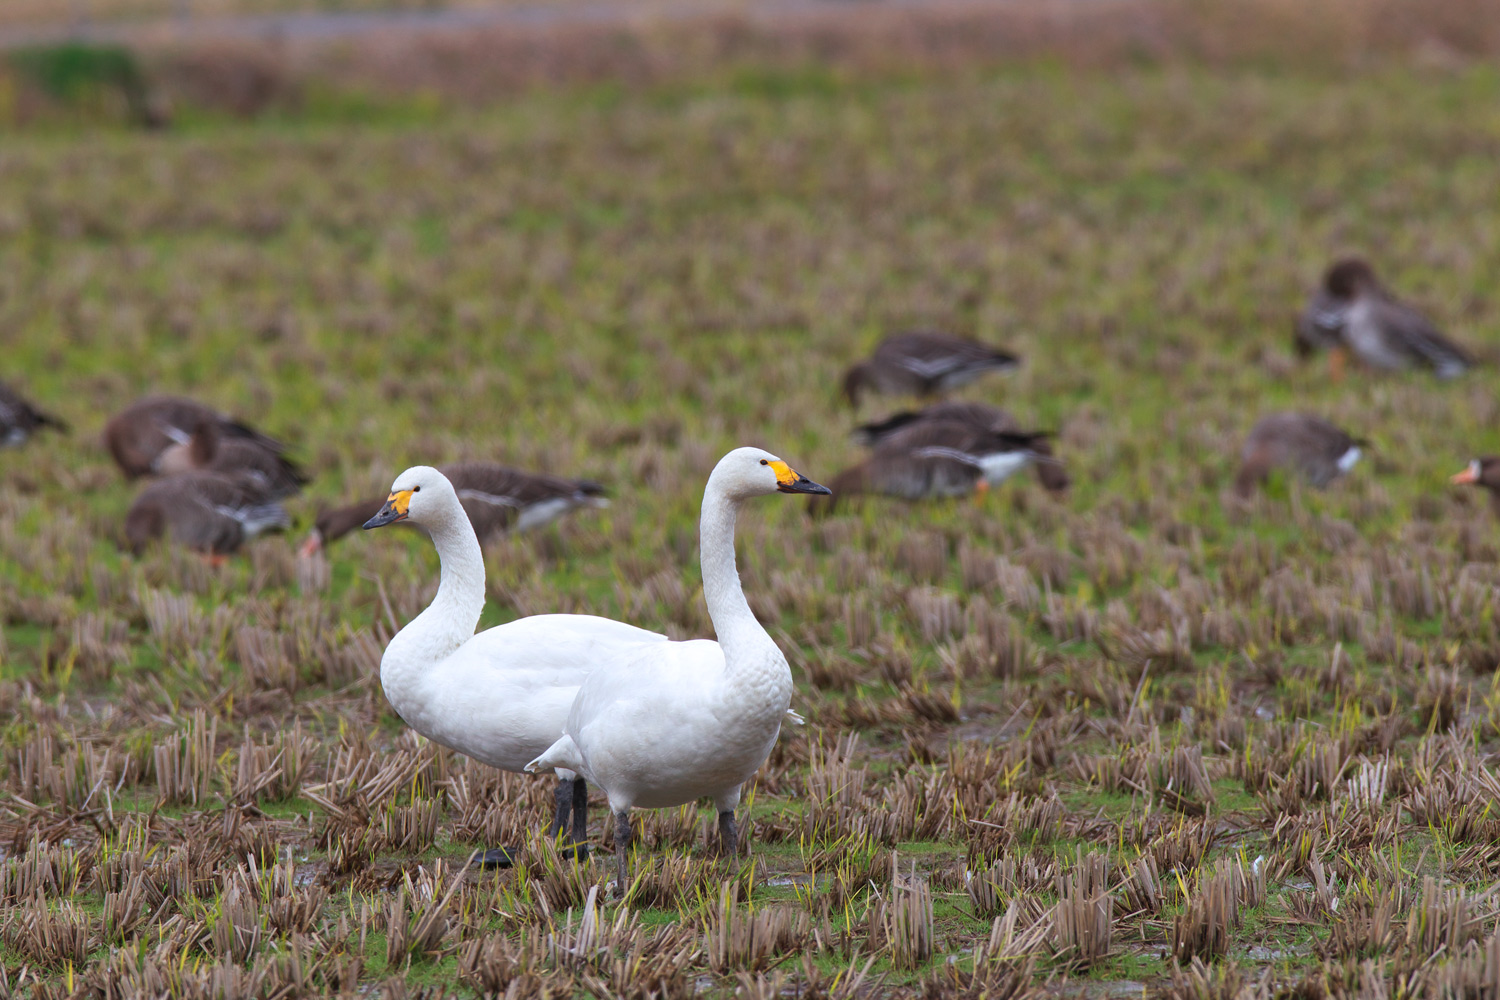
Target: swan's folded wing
{"points": [[652, 684], [545, 650]]}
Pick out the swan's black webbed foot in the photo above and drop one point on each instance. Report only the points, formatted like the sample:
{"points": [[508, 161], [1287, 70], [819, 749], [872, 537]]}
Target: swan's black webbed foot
{"points": [[573, 852], [498, 857]]}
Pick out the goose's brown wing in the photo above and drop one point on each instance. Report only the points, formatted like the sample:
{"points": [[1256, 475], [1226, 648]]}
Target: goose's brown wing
{"points": [[933, 356], [979, 415], [1413, 335], [959, 436], [282, 477], [495, 496]]}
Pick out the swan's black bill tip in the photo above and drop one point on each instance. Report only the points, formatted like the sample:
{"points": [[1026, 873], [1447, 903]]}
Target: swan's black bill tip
{"points": [[804, 485], [394, 509]]}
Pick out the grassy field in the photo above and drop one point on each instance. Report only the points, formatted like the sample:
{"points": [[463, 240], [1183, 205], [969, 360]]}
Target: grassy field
{"points": [[1145, 739]]}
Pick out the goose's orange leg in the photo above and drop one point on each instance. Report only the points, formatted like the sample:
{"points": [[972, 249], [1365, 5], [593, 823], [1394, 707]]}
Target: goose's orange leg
{"points": [[1338, 361]]}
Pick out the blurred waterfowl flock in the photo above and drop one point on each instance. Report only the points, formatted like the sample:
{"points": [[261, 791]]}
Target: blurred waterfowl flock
{"points": [[1008, 683], [221, 480]]}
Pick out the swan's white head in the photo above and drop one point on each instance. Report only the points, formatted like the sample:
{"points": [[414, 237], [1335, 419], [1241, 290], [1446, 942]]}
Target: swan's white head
{"points": [[421, 495], [751, 472]]}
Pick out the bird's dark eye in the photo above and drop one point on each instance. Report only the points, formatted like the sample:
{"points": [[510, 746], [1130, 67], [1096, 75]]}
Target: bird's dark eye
{"points": [[416, 489], [764, 462]]}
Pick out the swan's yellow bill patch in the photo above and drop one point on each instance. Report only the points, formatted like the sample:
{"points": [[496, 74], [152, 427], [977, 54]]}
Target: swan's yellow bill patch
{"points": [[399, 501], [784, 474]]}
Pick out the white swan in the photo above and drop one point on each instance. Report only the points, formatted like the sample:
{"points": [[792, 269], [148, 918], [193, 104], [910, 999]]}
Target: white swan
{"points": [[501, 696], [680, 721]]}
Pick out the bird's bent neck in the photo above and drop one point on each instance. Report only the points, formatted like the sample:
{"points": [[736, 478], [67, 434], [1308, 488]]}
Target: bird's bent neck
{"points": [[450, 619]]}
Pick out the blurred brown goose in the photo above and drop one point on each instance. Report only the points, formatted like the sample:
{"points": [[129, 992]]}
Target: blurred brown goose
{"points": [[1484, 472], [937, 459], [1307, 445], [924, 363], [495, 497], [982, 417], [19, 419], [210, 449], [138, 435], [209, 512], [1353, 312]]}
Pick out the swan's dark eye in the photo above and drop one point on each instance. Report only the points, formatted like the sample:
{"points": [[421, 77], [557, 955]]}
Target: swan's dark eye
{"points": [[764, 462]]}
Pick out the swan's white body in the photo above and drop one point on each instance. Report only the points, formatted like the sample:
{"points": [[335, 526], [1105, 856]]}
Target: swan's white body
{"points": [[503, 695], [678, 721]]}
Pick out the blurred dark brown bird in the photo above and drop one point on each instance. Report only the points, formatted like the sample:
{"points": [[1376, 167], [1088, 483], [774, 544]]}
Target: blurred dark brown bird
{"points": [[209, 512], [923, 363], [210, 449], [1352, 311], [19, 419], [495, 497], [1307, 445], [138, 435], [980, 416], [938, 458]]}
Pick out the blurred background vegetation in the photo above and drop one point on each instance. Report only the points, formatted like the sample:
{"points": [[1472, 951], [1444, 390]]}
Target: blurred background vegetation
{"points": [[145, 65]]}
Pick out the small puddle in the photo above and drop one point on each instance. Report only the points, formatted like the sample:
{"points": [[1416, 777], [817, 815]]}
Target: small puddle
{"points": [[1116, 988], [800, 878]]}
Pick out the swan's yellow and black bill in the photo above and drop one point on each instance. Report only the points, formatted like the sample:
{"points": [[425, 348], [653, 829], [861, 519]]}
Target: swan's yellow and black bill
{"points": [[1469, 475], [394, 510], [788, 481]]}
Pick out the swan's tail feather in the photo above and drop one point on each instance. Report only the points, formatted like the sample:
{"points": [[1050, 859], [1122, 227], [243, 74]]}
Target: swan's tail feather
{"points": [[562, 754]]}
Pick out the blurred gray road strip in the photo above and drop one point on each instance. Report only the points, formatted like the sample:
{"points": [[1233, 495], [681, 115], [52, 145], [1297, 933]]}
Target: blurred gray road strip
{"points": [[340, 25]]}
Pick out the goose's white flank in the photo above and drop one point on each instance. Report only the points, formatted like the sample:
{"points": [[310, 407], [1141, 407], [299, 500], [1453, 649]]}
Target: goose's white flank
{"points": [[503, 695], [682, 721]]}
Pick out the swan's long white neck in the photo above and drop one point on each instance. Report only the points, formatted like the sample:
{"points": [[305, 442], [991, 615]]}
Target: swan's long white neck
{"points": [[745, 643], [450, 619]]}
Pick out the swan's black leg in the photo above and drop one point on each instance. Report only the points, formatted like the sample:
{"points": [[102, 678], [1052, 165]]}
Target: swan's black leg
{"points": [[729, 834], [622, 850], [564, 799], [580, 849]]}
